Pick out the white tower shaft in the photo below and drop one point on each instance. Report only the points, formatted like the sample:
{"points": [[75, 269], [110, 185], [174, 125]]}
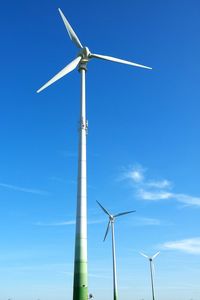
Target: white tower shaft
{"points": [[115, 291], [152, 279], [80, 263]]}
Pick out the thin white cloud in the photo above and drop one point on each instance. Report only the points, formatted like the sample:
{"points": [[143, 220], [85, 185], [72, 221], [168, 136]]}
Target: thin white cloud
{"points": [[143, 221], [22, 189], [155, 190], [61, 223], [154, 195], [135, 173], [165, 195], [66, 223], [187, 199], [191, 245], [136, 176], [159, 184]]}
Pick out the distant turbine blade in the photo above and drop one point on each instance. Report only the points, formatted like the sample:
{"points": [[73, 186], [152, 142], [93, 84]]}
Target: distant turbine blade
{"points": [[155, 255], [144, 255], [110, 58], [107, 229], [124, 213], [70, 67], [70, 31], [105, 210]]}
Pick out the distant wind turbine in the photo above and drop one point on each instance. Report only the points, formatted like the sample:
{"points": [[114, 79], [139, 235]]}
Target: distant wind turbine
{"points": [[80, 287], [111, 221], [152, 270]]}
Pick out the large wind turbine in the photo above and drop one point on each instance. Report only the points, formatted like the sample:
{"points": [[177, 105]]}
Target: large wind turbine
{"points": [[151, 258], [80, 289], [111, 220]]}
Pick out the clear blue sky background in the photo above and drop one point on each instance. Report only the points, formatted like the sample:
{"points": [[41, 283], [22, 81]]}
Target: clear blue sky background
{"points": [[143, 147]]}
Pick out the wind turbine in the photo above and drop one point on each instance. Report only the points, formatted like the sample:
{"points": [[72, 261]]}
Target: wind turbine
{"points": [[111, 221], [152, 270], [80, 287]]}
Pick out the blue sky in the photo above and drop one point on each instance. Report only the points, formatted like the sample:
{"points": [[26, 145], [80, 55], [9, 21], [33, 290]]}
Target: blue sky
{"points": [[143, 147]]}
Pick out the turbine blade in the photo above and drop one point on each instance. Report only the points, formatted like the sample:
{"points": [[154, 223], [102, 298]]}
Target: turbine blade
{"points": [[124, 213], [70, 67], [107, 229], [144, 255], [118, 60], [105, 210], [155, 255], [70, 31]]}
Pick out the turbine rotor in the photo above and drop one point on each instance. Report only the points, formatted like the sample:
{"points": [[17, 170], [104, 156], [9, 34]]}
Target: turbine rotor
{"points": [[85, 54]]}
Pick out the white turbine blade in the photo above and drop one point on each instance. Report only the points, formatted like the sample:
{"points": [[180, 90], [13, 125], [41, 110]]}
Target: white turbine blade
{"points": [[118, 60], [144, 255], [124, 213], [107, 229], [70, 31], [155, 255], [70, 67], [105, 210]]}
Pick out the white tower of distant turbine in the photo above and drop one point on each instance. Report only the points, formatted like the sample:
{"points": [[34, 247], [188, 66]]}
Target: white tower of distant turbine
{"points": [[80, 288], [152, 270], [111, 221]]}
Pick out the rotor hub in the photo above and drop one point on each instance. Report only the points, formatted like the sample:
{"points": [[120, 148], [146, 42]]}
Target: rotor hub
{"points": [[112, 218], [85, 54]]}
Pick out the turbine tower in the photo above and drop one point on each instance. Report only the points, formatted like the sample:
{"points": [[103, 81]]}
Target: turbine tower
{"points": [[111, 221], [80, 287], [152, 270]]}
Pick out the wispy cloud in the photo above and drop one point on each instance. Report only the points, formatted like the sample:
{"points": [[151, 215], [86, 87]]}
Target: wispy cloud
{"points": [[22, 189], [143, 221], [191, 245], [165, 195], [155, 190], [60, 223], [187, 199], [66, 223], [153, 195], [159, 184], [135, 173], [58, 268]]}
